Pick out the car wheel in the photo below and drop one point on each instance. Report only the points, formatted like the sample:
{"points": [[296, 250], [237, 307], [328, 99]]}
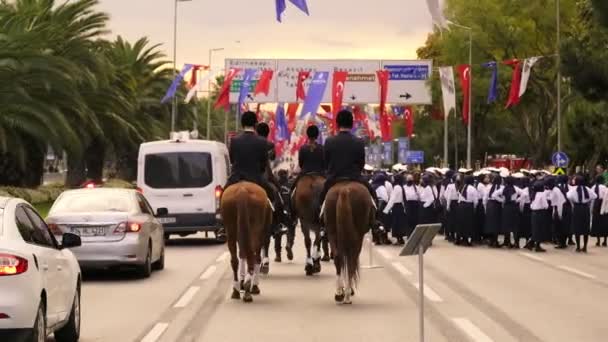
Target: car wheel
{"points": [[71, 331], [167, 237], [160, 263], [39, 329], [145, 270]]}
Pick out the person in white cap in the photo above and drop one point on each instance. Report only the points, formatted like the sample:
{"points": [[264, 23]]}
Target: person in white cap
{"points": [[450, 197], [396, 207], [467, 203], [599, 222], [509, 195], [492, 224], [429, 199], [412, 203], [483, 187], [581, 196]]}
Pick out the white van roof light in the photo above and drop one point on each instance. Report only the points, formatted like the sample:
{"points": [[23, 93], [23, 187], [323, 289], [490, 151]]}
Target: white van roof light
{"points": [[180, 136]]}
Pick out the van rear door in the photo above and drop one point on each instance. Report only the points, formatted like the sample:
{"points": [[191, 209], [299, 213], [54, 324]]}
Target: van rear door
{"points": [[181, 181]]}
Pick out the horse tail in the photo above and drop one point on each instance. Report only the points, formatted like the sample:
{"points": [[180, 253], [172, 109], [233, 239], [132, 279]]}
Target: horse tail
{"points": [[242, 221], [347, 237]]}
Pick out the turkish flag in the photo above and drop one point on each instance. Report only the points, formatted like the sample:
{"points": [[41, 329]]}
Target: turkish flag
{"points": [[193, 78], [292, 110], [273, 129], [408, 116], [385, 120], [464, 71], [337, 90], [330, 118], [361, 118], [263, 86], [223, 99], [515, 82], [300, 92]]}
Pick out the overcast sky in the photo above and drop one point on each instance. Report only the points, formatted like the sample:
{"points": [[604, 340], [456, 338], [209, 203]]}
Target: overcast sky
{"points": [[382, 29]]}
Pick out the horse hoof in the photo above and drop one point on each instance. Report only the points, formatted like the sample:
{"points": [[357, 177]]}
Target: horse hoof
{"points": [[352, 292], [265, 269], [289, 254], [247, 298], [278, 259], [309, 270], [255, 290], [242, 285], [316, 267], [339, 298], [236, 294], [326, 258], [347, 302]]}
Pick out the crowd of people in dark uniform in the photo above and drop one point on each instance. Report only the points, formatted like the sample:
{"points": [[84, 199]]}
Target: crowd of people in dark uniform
{"points": [[493, 207]]}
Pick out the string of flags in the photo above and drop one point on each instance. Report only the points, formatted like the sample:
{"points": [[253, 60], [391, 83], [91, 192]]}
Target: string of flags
{"points": [[281, 6]]}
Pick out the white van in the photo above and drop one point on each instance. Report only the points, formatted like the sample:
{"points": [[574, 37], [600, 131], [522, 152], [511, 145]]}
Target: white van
{"points": [[185, 176]]}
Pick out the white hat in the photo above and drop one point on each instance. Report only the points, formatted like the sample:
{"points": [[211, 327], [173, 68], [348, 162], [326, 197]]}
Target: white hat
{"points": [[546, 172], [464, 170], [368, 167], [525, 171], [431, 169], [504, 173], [444, 170], [398, 167], [519, 175], [476, 173], [485, 172], [493, 169]]}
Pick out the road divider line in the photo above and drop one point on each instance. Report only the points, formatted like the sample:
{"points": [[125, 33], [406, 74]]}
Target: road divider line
{"points": [[472, 330], [157, 331], [429, 293], [208, 272], [531, 256], [577, 272], [401, 269], [385, 254], [186, 297], [223, 257]]}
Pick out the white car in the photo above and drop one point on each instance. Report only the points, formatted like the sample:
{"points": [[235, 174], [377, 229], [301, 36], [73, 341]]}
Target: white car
{"points": [[39, 279]]}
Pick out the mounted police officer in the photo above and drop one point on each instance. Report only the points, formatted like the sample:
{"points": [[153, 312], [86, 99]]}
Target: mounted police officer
{"points": [[310, 157], [344, 156], [249, 156]]}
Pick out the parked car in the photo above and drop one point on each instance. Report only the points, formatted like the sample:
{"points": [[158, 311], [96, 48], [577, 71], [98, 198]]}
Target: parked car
{"points": [[39, 278], [187, 177], [117, 228]]}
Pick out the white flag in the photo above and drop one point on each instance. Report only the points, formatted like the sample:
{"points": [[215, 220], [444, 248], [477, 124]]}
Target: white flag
{"points": [[448, 89], [525, 74], [198, 86], [436, 8]]}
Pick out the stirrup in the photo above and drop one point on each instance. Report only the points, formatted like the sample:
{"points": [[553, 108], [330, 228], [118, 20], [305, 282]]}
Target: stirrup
{"points": [[271, 206], [322, 210]]}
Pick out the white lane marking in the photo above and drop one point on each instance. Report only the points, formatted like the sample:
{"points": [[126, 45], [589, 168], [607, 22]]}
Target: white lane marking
{"points": [[577, 272], [155, 333], [531, 256], [186, 297], [399, 267], [429, 293], [208, 272], [223, 257], [472, 330], [385, 254]]}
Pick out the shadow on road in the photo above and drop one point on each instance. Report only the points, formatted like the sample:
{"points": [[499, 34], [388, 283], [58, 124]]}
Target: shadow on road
{"points": [[191, 242]]}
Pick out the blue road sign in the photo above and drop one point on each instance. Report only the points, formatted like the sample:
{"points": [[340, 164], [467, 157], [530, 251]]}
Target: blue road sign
{"points": [[560, 159], [408, 72], [414, 157], [403, 146]]}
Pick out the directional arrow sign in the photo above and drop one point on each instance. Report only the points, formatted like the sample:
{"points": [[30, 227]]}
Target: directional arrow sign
{"points": [[560, 159], [407, 96]]}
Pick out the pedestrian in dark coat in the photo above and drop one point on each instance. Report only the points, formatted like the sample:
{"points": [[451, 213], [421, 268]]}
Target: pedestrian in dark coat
{"points": [[581, 196], [493, 213], [599, 221]]}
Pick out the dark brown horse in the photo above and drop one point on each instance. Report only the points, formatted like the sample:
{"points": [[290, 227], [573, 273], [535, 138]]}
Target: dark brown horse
{"points": [[247, 217], [349, 214], [308, 190]]}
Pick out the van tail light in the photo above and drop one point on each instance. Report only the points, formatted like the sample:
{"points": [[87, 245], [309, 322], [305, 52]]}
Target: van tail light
{"points": [[12, 265], [218, 194], [140, 190], [54, 228], [128, 227], [4, 316]]}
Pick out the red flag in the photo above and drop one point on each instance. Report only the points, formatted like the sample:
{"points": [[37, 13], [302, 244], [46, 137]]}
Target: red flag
{"points": [[223, 99], [300, 92], [273, 129], [385, 120], [263, 86], [408, 115], [292, 110], [258, 112], [278, 148], [194, 76], [361, 117], [464, 71], [337, 88], [515, 82]]}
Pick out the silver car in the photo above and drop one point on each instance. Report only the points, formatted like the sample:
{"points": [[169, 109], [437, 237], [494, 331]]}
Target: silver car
{"points": [[117, 228]]}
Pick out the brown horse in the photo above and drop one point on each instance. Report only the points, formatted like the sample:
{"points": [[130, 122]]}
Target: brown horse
{"points": [[247, 217], [349, 213], [306, 195]]}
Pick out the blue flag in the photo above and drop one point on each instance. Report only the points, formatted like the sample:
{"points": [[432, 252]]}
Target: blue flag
{"points": [[173, 88], [399, 111], [282, 132], [316, 90], [245, 85], [493, 91], [281, 7]]}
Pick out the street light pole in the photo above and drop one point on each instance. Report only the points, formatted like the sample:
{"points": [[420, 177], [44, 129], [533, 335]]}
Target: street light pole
{"points": [[559, 79], [174, 102], [209, 94]]}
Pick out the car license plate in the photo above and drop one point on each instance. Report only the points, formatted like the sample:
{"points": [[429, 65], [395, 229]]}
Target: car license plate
{"points": [[167, 220], [89, 231]]}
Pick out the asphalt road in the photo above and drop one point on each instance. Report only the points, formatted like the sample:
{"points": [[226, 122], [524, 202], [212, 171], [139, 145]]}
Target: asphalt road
{"points": [[472, 294]]}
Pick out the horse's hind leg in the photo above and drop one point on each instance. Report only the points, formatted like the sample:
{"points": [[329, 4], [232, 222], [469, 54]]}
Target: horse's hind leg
{"points": [[249, 278], [308, 244], [255, 289], [291, 236], [234, 262], [339, 295], [325, 245], [316, 252]]}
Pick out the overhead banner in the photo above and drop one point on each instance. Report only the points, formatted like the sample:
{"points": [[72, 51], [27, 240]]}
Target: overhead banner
{"points": [[408, 79]]}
